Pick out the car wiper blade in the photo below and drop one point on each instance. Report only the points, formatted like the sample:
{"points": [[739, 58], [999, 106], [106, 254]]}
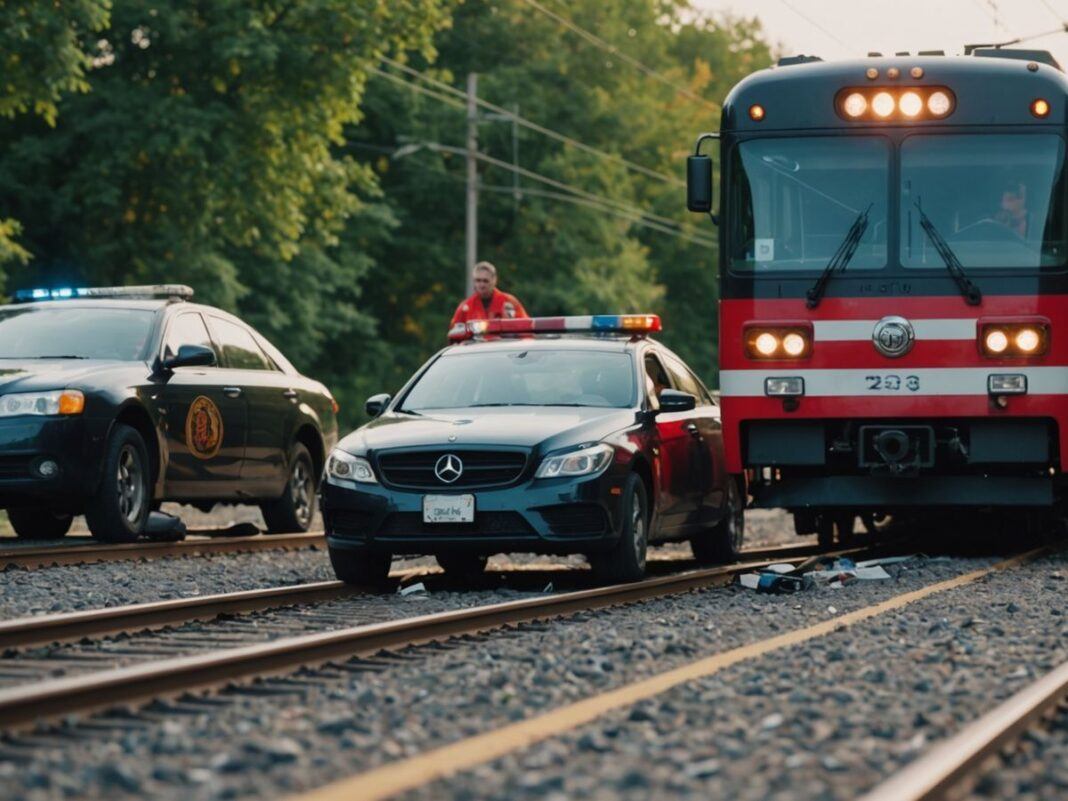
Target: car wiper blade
{"points": [[840, 259], [484, 405], [61, 356], [970, 292], [408, 411]]}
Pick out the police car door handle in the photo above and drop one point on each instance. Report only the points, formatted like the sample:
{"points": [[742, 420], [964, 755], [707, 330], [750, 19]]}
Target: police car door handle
{"points": [[291, 394], [693, 430], [232, 392]]}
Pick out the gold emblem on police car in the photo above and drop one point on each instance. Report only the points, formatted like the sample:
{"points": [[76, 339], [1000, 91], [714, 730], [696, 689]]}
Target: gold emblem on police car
{"points": [[203, 428]]}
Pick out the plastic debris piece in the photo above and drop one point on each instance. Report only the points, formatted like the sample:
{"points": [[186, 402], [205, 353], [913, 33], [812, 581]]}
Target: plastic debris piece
{"points": [[412, 589], [779, 567], [749, 580], [888, 560], [832, 610], [871, 573]]}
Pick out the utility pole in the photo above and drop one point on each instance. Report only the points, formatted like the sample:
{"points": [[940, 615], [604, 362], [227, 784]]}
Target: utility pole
{"points": [[472, 183]]}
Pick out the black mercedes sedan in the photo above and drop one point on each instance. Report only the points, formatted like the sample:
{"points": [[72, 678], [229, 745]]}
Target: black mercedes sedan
{"points": [[113, 400], [547, 435]]}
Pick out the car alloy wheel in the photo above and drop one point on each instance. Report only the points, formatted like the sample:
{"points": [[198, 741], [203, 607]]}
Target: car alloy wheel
{"points": [[638, 528], [130, 485], [302, 490]]}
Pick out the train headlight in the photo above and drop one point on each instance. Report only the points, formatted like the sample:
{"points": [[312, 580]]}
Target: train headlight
{"points": [[939, 104], [910, 104], [855, 104], [784, 387], [778, 340], [1006, 384], [1014, 339], [883, 104]]}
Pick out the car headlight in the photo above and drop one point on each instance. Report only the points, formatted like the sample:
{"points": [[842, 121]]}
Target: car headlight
{"points": [[349, 468], [58, 401], [586, 462]]}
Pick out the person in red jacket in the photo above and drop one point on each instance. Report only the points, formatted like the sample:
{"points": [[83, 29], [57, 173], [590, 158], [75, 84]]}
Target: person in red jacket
{"points": [[488, 302]]}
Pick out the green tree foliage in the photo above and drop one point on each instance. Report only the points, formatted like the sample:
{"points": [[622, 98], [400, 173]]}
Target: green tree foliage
{"points": [[556, 251]]}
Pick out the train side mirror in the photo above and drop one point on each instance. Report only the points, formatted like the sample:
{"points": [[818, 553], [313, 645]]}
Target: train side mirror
{"points": [[699, 184]]}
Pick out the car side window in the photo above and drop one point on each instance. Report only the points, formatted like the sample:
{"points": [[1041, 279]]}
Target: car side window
{"points": [[656, 379], [239, 349], [685, 380], [186, 329]]}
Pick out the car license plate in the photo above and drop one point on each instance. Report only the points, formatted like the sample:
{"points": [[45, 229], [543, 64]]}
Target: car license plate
{"points": [[448, 508]]}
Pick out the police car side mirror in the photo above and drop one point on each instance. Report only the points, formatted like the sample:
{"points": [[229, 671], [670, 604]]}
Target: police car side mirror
{"points": [[191, 356], [699, 183], [376, 404], [672, 400]]}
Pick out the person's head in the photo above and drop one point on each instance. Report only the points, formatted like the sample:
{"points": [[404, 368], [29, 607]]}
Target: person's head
{"points": [[485, 277], [1013, 196]]}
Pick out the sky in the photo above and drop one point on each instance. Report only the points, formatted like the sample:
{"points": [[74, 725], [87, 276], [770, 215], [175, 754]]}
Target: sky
{"points": [[834, 29]]}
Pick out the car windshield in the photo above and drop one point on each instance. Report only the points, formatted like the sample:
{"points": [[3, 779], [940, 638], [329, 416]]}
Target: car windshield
{"points": [[73, 333], [534, 377], [998, 200], [795, 201]]}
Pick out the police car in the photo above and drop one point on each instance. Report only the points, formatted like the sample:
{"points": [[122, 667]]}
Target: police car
{"points": [[552, 435], [113, 400]]}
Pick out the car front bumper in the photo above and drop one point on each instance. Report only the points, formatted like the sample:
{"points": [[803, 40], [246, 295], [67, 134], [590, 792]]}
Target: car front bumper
{"points": [[552, 516], [26, 442]]}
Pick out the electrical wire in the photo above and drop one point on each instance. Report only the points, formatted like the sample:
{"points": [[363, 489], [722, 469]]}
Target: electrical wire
{"points": [[817, 25], [617, 53], [1052, 10], [389, 76], [533, 126]]}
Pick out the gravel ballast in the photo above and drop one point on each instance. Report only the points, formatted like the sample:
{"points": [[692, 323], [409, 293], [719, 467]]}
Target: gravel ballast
{"points": [[849, 703]]}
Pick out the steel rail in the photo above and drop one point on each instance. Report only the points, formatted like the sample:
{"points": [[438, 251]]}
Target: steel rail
{"points": [[940, 772], [63, 555], [38, 630], [27, 705]]}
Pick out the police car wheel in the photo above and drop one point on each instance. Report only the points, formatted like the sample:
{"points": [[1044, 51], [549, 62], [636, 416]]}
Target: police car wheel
{"points": [[723, 542], [626, 560], [39, 524], [462, 564], [360, 567], [295, 510], [118, 510]]}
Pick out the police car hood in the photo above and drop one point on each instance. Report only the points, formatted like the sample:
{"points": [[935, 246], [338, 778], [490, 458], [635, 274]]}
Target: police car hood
{"points": [[34, 375], [545, 428]]}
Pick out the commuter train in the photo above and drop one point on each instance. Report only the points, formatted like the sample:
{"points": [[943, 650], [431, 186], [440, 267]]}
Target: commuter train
{"points": [[893, 273]]}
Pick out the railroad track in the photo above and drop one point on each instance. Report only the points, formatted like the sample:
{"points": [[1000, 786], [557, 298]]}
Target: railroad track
{"points": [[35, 557], [949, 768], [40, 630], [34, 701]]}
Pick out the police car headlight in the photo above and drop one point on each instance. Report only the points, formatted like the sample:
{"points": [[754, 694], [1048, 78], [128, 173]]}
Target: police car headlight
{"points": [[586, 462], [347, 467], [59, 401]]}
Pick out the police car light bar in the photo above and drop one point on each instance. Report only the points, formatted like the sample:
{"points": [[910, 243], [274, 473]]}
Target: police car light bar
{"points": [[148, 292], [589, 324]]}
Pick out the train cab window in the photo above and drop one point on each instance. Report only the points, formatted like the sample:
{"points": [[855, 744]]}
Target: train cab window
{"points": [[186, 329], [795, 199], [1012, 214], [240, 351]]}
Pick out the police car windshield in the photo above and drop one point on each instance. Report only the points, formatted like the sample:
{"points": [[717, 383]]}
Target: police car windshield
{"points": [[534, 377], [73, 333], [794, 198], [1012, 214]]}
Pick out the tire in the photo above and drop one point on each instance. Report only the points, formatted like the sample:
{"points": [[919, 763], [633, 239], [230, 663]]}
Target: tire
{"points": [[35, 523], [462, 565], [836, 528], [723, 542], [626, 560], [118, 510], [294, 511], [360, 567]]}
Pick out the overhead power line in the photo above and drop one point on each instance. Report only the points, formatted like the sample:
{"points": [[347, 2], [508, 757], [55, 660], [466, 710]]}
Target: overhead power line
{"points": [[597, 41], [533, 126], [389, 76], [817, 25], [1052, 10]]}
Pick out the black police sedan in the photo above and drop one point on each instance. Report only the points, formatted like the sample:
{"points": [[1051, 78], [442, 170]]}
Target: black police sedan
{"points": [[113, 400], [550, 435]]}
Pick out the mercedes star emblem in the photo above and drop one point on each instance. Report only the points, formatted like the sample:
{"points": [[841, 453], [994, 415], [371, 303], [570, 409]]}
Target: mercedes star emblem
{"points": [[449, 468], [893, 336]]}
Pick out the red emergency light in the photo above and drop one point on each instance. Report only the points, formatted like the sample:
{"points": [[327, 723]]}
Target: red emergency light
{"points": [[638, 324]]}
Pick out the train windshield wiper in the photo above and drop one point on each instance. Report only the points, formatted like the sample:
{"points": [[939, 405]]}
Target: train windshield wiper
{"points": [[969, 291], [840, 259]]}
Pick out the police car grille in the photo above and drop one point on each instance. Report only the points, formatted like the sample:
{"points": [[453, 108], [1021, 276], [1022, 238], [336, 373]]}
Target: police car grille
{"points": [[480, 468], [487, 524], [14, 466]]}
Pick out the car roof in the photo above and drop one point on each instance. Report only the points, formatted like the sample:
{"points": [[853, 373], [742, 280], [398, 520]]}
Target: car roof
{"points": [[146, 304], [610, 343]]}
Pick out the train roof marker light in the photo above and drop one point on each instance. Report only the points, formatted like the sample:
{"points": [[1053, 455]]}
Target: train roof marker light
{"points": [[756, 112], [916, 72], [1040, 107]]}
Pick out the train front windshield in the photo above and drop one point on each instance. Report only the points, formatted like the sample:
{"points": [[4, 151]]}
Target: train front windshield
{"points": [[998, 200]]}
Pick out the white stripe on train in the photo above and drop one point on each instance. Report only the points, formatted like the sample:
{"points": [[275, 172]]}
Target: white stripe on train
{"points": [[889, 381], [861, 330]]}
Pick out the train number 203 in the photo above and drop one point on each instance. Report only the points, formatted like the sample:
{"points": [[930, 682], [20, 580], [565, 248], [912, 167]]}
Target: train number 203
{"points": [[892, 383]]}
